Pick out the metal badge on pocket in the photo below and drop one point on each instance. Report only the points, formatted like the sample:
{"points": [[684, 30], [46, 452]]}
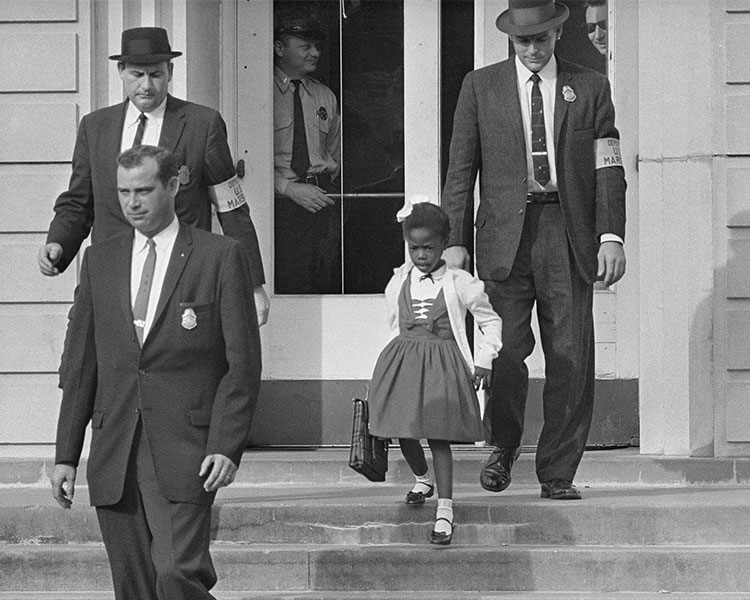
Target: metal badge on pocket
{"points": [[189, 319]]}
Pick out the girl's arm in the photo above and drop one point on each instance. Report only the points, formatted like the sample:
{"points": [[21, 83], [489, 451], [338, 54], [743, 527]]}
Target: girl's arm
{"points": [[472, 295]]}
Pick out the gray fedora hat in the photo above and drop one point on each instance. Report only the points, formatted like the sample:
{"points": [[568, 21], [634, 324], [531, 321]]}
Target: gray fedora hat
{"points": [[145, 46], [529, 17]]}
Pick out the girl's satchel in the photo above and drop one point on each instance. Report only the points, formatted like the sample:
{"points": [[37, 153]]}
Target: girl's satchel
{"points": [[368, 454]]}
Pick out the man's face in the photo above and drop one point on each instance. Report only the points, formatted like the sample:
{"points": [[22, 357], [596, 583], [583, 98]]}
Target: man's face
{"points": [[534, 51], [295, 56], [596, 27], [146, 85], [146, 202]]}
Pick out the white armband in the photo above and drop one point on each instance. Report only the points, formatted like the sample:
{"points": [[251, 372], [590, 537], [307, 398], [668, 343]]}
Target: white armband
{"points": [[228, 195], [607, 152]]}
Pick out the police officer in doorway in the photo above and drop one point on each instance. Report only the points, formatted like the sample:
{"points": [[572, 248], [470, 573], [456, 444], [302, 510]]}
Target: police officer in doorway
{"points": [[307, 163]]}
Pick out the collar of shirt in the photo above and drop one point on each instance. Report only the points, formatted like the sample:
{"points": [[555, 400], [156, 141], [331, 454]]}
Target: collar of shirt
{"points": [[548, 87], [164, 241], [427, 287], [284, 82], [153, 125]]}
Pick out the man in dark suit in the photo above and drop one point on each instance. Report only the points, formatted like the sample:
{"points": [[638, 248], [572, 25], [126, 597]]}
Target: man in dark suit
{"points": [[195, 134], [163, 356], [551, 220]]}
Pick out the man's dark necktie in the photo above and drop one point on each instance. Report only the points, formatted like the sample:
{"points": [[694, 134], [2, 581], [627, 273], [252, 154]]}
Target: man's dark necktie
{"points": [[139, 132], [300, 157], [140, 307], [538, 134]]}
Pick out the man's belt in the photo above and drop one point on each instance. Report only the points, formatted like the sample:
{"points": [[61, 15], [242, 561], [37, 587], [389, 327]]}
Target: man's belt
{"points": [[322, 180], [542, 198]]}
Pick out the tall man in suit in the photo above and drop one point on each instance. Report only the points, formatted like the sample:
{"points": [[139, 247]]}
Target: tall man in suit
{"points": [[195, 134], [551, 221], [164, 356]]}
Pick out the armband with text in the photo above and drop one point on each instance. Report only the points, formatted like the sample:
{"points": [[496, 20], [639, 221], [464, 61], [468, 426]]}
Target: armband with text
{"points": [[228, 195], [607, 152]]}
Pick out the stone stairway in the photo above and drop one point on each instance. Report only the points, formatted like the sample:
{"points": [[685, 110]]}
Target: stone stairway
{"points": [[302, 525]]}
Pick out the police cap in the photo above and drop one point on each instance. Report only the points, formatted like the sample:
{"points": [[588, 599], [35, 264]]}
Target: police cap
{"points": [[307, 28]]}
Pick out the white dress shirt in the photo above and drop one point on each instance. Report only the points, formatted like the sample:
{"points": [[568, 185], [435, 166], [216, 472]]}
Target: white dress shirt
{"points": [[163, 242], [547, 86], [151, 133]]}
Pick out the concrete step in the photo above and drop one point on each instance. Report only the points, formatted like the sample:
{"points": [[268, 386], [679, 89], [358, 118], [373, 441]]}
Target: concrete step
{"points": [[461, 568], [378, 515], [328, 466], [411, 595]]}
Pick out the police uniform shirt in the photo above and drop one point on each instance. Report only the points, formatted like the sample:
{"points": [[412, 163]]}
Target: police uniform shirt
{"points": [[322, 126], [151, 133]]}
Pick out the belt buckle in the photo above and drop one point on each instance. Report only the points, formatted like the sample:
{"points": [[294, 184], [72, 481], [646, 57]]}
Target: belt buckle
{"points": [[311, 179]]}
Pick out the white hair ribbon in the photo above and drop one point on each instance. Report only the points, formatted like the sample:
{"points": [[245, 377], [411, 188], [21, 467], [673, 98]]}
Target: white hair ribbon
{"points": [[409, 205]]}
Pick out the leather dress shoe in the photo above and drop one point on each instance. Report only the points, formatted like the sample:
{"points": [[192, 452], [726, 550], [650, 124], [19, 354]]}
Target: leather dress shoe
{"points": [[560, 489], [495, 474]]}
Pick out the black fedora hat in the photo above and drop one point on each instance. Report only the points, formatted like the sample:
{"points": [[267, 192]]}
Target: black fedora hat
{"points": [[145, 46], [529, 17]]}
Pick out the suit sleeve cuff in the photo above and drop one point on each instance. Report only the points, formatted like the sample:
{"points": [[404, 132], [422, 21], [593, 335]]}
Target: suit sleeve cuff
{"points": [[611, 237]]}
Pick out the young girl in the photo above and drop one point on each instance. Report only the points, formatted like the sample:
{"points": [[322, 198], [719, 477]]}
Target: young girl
{"points": [[424, 382]]}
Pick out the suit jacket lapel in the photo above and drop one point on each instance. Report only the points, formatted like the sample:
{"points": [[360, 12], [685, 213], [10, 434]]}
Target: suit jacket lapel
{"points": [[122, 264], [561, 105], [183, 246], [173, 125], [110, 149], [505, 88]]}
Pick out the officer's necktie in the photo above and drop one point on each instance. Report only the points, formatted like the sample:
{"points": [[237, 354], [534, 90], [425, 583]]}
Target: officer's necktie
{"points": [[300, 157], [139, 132], [538, 134], [144, 289]]}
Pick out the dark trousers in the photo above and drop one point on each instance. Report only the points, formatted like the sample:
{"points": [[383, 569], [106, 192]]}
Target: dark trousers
{"points": [[307, 249], [157, 549], [544, 273]]}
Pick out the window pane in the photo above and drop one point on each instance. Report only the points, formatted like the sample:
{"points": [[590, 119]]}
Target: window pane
{"points": [[372, 77], [353, 245]]}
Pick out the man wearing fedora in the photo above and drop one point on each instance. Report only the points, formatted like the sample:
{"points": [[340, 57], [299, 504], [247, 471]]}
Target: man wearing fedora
{"points": [[540, 132], [195, 134], [307, 140]]}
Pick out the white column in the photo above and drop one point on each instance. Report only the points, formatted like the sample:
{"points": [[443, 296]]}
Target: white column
{"points": [[422, 97], [675, 206]]}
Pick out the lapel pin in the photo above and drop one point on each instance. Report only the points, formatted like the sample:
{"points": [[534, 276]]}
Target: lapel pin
{"points": [[568, 94], [189, 319], [184, 175]]}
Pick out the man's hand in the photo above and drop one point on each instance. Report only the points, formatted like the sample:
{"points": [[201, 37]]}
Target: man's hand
{"points": [[47, 257], [308, 196], [220, 471], [262, 305], [611, 262], [481, 377], [457, 257], [63, 480]]}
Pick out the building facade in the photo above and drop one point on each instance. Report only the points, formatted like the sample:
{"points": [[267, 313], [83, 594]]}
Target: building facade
{"points": [[671, 337]]}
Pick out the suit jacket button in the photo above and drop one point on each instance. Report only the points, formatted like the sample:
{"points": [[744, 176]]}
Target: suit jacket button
{"points": [[520, 212], [141, 372], [137, 410]]}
